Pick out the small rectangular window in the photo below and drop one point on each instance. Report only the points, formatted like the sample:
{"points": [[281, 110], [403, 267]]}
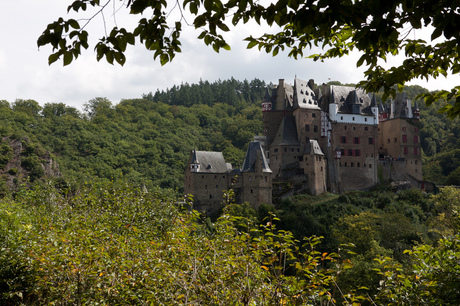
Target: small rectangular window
{"points": [[356, 140], [406, 150], [371, 140], [404, 138], [343, 139], [357, 152], [415, 139], [307, 128], [350, 152], [315, 128]]}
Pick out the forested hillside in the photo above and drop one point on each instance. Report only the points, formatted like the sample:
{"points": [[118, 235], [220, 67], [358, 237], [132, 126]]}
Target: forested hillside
{"points": [[146, 140], [96, 235]]}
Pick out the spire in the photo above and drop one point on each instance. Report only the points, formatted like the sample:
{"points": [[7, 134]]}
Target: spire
{"points": [[194, 163], [333, 96], [267, 96], [373, 102], [194, 158]]}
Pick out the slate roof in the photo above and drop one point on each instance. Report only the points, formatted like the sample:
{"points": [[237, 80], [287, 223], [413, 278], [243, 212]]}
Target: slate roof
{"points": [[253, 154], [304, 96], [312, 147], [287, 133], [268, 96], [211, 162], [401, 106], [346, 96]]}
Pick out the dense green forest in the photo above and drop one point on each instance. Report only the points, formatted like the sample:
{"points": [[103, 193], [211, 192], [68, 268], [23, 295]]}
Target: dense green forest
{"points": [[110, 231], [148, 140], [143, 140]]}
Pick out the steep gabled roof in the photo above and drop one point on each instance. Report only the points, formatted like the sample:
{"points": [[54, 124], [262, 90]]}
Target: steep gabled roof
{"points": [[346, 96], [402, 106], [268, 95], [312, 147], [211, 162], [287, 133], [255, 154], [304, 96]]}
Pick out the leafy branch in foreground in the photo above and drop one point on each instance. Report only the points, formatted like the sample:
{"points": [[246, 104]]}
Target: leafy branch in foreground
{"points": [[374, 29]]}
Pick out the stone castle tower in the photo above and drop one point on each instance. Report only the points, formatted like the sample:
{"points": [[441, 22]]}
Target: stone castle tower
{"points": [[328, 138]]}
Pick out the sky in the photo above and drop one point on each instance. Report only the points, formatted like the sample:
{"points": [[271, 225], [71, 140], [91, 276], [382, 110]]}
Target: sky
{"points": [[25, 73]]}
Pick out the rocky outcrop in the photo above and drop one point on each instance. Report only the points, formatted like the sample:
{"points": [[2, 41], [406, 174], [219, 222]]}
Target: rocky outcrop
{"points": [[25, 163]]}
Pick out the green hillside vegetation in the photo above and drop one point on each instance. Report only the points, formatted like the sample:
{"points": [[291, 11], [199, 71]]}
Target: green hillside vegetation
{"points": [[110, 230], [116, 244], [148, 140]]}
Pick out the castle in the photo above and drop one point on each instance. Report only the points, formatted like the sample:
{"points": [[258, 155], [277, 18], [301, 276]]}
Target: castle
{"points": [[328, 138]]}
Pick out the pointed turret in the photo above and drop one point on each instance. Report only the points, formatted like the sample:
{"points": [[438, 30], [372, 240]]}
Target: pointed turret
{"points": [[356, 104], [373, 101], [194, 163], [267, 102], [255, 160]]}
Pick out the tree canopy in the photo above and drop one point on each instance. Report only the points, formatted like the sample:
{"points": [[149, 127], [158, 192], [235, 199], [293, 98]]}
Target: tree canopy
{"points": [[374, 28]]}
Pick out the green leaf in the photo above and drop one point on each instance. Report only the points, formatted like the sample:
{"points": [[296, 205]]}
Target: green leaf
{"points": [[53, 57], [252, 44], [67, 58], [74, 24]]}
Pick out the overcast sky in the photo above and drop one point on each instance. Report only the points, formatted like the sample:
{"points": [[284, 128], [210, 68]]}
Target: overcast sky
{"points": [[25, 74]]}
